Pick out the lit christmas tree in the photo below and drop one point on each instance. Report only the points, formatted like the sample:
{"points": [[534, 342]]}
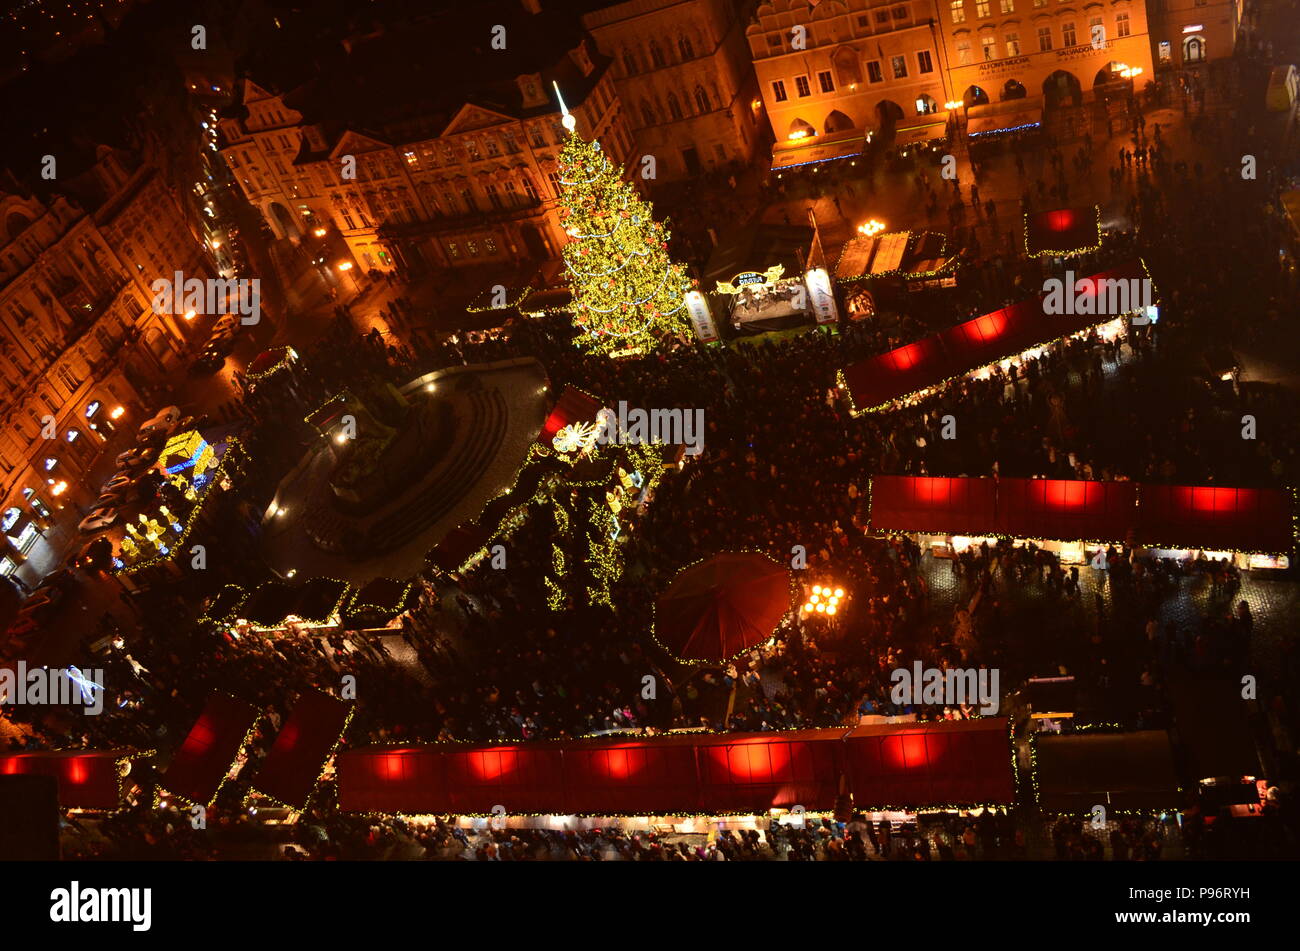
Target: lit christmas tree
{"points": [[627, 292]]}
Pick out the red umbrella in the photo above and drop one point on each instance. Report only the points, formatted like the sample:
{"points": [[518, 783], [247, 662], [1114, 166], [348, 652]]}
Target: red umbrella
{"points": [[722, 607]]}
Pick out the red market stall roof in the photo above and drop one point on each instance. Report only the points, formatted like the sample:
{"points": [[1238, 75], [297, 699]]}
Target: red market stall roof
{"points": [[1218, 518], [950, 762], [87, 779], [751, 773], [302, 747], [207, 753], [876, 382], [909, 765], [1063, 231], [1113, 770], [573, 406], [722, 606], [947, 505], [1066, 509], [632, 777]]}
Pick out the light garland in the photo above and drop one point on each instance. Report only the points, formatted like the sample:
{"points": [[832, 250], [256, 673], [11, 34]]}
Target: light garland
{"points": [[1066, 252]]}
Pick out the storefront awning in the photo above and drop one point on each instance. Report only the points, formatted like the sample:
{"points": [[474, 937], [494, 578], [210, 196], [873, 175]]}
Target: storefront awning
{"points": [[816, 149], [920, 134], [999, 121]]}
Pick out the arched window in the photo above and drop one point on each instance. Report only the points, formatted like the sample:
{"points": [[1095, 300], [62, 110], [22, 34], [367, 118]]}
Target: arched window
{"points": [[630, 64], [702, 100], [648, 113], [674, 109], [684, 45], [656, 55]]}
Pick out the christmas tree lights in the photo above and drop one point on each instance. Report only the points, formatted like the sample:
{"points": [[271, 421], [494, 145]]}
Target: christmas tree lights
{"points": [[628, 295]]}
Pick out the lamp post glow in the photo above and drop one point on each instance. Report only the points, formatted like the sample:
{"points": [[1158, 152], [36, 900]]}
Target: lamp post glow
{"points": [[824, 599], [871, 228], [346, 268]]}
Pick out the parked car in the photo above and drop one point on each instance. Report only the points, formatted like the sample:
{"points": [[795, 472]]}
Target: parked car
{"points": [[98, 520], [120, 481], [165, 421], [210, 361]]}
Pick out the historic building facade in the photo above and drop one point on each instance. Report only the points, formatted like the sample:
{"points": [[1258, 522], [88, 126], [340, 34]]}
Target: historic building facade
{"points": [[78, 336], [999, 50], [839, 69], [1190, 32], [478, 187], [682, 72]]}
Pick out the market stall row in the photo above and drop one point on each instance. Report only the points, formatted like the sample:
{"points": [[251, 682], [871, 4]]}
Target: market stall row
{"points": [[1217, 519]]}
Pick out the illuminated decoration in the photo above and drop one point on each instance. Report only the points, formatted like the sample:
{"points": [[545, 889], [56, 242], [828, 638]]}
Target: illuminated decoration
{"points": [[194, 451], [1063, 232], [823, 599], [752, 279], [627, 293], [577, 438], [270, 362], [484, 301], [871, 228], [915, 371], [224, 604], [136, 559]]}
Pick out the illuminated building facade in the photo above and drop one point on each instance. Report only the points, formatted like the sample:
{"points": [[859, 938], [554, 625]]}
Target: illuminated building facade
{"points": [[79, 340], [682, 72], [430, 177]]}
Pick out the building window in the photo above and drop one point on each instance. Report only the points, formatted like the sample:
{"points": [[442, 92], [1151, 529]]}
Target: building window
{"points": [[825, 81], [471, 248], [536, 137], [1121, 24], [898, 64], [674, 107], [958, 11], [882, 16], [453, 252], [982, 9], [685, 47], [990, 44], [411, 159], [494, 197], [1044, 38], [900, 13], [1096, 31], [490, 244], [874, 73], [1013, 44], [702, 100], [923, 62], [1165, 52], [467, 199], [963, 52], [801, 86], [778, 91], [1067, 35], [864, 22], [1007, 6], [656, 55], [630, 64]]}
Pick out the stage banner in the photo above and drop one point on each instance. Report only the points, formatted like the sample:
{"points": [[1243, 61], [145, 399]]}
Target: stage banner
{"points": [[822, 296], [701, 318]]}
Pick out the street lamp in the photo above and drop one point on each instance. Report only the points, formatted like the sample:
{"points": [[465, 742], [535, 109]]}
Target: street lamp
{"points": [[346, 268], [871, 228], [825, 599]]}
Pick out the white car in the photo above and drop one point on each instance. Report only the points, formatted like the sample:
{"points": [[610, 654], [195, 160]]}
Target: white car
{"points": [[165, 422], [97, 521]]}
